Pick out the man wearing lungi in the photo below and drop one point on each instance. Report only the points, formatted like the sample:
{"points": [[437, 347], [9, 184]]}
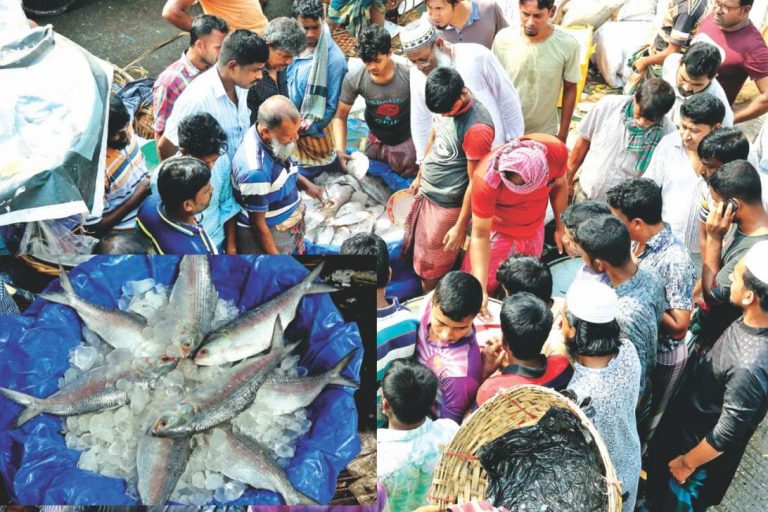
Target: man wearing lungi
{"points": [[462, 134]]}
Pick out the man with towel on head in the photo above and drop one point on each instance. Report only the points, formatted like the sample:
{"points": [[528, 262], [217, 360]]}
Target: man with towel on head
{"points": [[702, 438]]}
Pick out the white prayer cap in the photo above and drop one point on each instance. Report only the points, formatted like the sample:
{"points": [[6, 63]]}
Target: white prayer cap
{"points": [[417, 34], [592, 301], [756, 261]]}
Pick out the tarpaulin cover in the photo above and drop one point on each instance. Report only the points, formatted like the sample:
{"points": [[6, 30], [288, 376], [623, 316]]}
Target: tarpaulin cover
{"points": [[393, 180], [38, 468], [404, 284], [53, 108]]}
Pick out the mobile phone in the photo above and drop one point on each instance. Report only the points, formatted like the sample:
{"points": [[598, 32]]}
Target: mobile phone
{"points": [[734, 205]]}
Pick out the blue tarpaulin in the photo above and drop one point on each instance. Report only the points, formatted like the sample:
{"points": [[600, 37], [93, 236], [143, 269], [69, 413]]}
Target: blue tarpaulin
{"points": [[36, 466]]}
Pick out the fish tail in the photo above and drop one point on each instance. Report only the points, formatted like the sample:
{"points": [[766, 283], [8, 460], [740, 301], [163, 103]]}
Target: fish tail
{"points": [[277, 335], [310, 287], [294, 497], [67, 296], [31, 403], [335, 372]]}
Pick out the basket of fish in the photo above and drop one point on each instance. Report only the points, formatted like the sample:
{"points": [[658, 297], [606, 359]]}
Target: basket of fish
{"points": [[153, 380]]}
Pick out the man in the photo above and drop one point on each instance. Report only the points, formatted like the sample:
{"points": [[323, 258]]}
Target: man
{"points": [[466, 21], [126, 179], [384, 83], [605, 246], [736, 191], [437, 223], [245, 14], [265, 182], [745, 53], [286, 39], [617, 138], [540, 60], [314, 85], [675, 167], [480, 70], [693, 73], [700, 443], [221, 91], [637, 203], [205, 38]]}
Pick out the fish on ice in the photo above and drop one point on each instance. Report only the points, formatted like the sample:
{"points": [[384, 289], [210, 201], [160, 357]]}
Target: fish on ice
{"points": [[192, 303]]}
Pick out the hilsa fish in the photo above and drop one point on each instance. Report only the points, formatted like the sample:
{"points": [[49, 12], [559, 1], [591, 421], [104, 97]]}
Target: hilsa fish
{"points": [[214, 403], [119, 329], [193, 303], [248, 334], [160, 462], [92, 391], [244, 459], [287, 394]]}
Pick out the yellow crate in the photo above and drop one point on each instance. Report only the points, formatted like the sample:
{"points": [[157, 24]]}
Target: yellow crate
{"points": [[583, 35]]}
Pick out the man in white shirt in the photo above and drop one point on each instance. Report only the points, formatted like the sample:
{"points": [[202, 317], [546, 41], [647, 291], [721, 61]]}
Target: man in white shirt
{"points": [[676, 168], [480, 70], [693, 73]]}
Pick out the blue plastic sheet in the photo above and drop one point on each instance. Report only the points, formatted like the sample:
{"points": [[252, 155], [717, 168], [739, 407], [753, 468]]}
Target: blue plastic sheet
{"points": [[393, 180], [38, 468]]}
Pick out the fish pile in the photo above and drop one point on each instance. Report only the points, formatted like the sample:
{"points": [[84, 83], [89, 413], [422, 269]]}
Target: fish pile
{"points": [[181, 395], [352, 206]]}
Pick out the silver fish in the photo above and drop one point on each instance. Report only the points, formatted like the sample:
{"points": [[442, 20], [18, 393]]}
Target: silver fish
{"points": [[217, 402], [193, 303], [341, 234], [249, 334], [350, 207], [351, 218], [366, 226], [325, 235], [287, 394], [118, 328], [92, 391], [376, 188], [160, 462], [251, 463]]}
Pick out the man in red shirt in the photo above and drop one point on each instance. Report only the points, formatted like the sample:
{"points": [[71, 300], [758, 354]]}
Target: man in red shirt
{"points": [[510, 191], [525, 324], [744, 51]]}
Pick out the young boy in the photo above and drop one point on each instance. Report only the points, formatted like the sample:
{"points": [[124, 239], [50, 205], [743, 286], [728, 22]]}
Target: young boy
{"points": [[526, 322], [408, 450], [395, 324], [447, 343], [184, 190]]}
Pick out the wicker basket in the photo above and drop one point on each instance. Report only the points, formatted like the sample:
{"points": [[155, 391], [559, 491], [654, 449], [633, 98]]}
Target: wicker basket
{"points": [[347, 43], [459, 477], [145, 116]]}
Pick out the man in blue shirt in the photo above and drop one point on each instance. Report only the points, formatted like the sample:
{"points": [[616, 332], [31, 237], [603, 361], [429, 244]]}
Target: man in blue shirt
{"points": [[266, 183], [168, 219]]}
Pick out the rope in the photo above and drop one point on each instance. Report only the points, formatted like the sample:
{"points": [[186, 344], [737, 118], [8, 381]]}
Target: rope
{"points": [[157, 47]]}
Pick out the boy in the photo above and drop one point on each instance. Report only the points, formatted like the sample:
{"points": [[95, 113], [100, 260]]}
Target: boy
{"points": [[395, 324], [525, 324], [408, 450], [447, 343], [184, 189]]}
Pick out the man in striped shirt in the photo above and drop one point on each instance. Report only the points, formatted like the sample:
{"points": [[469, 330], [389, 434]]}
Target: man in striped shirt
{"points": [[126, 180], [205, 38], [266, 182]]}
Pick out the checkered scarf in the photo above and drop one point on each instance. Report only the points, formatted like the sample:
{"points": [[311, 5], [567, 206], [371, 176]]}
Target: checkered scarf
{"points": [[315, 97], [641, 140]]}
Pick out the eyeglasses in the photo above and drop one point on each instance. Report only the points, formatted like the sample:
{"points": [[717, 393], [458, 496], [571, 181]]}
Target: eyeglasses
{"points": [[725, 9]]}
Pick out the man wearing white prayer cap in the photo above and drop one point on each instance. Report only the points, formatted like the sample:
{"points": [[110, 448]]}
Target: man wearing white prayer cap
{"points": [[482, 74], [606, 369], [703, 437]]}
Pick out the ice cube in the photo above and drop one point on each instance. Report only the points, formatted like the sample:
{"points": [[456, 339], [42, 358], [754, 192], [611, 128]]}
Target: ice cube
{"points": [[213, 481], [138, 398], [87, 461], [233, 490], [198, 480], [284, 451], [85, 357]]}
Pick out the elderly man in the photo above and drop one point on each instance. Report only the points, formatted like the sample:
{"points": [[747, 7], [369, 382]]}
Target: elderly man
{"points": [[314, 86], [221, 91], [466, 21], [266, 183], [481, 72], [246, 14], [286, 39], [205, 38]]}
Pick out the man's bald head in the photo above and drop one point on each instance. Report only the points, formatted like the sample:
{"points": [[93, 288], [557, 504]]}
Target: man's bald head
{"points": [[274, 111], [278, 124]]}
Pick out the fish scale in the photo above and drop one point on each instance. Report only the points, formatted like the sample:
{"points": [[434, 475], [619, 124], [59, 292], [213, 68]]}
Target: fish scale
{"points": [[193, 298], [160, 463]]}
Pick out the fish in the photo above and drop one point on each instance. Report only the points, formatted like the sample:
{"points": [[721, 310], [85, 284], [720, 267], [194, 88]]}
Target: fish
{"points": [[338, 195], [325, 235], [311, 234], [350, 207], [375, 188], [351, 218], [92, 391], [119, 329], [287, 394], [382, 224], [160, 462], [316, 218], [377, 211], [392, 234], [365, 226], [212, 404], [248, 461], [193, 303], [341, 235], [249, 334]]}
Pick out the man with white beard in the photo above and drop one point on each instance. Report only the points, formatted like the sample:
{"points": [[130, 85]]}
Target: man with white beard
{"points": [[266, 182], [482, 74]]}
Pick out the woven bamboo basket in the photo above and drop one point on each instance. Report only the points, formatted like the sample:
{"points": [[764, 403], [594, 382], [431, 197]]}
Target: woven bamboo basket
{"points": [[459, 477], [347, 43], [145, 116]]}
